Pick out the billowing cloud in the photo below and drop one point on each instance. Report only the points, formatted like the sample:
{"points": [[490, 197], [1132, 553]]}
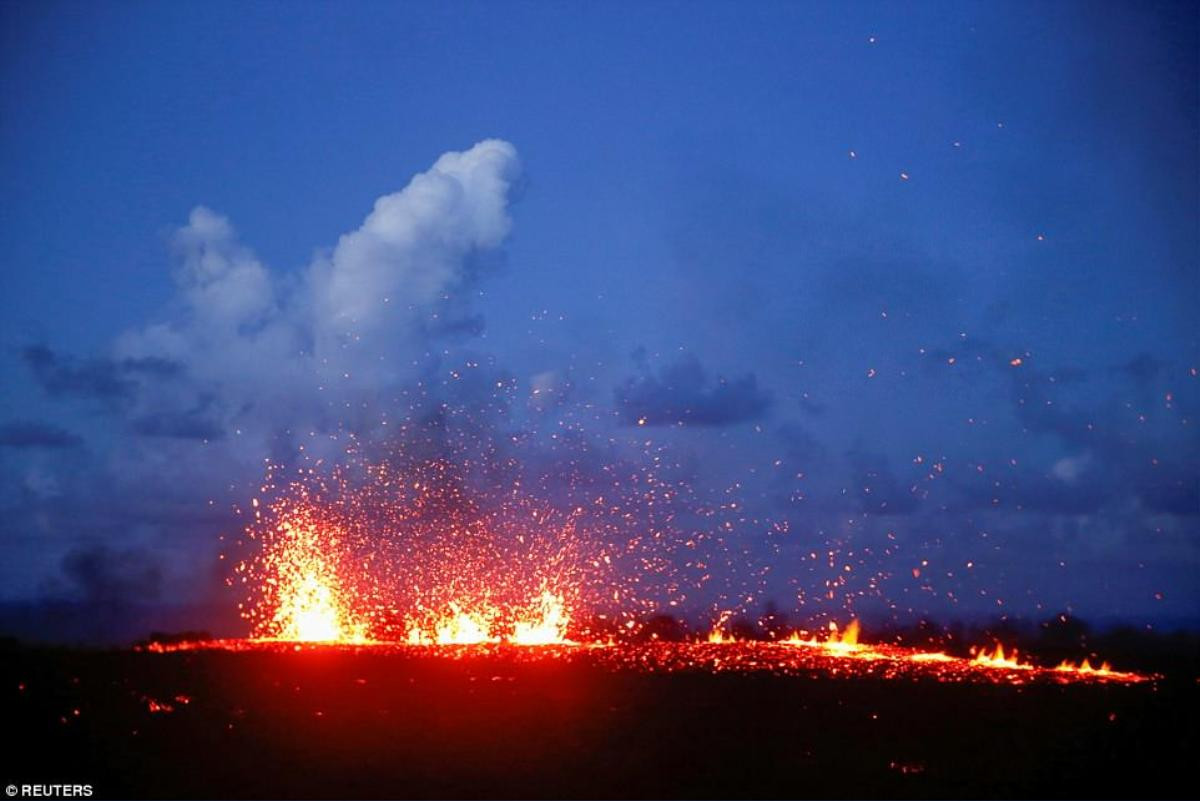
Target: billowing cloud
{"points": [[405, 265], [247, 363], [682, 393], [260, 351]]}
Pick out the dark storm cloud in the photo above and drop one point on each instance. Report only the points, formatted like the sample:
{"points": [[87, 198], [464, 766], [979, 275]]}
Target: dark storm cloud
{"points": [[108, 380], [682, 393], [125, 385], [61, 376], [32, 434], [197, 421], [178, 425], [1123, 434], [1136, 411], [100, 573], [1175, 491]]}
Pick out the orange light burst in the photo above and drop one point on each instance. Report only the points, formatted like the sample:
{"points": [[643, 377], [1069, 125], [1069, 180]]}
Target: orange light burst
{"points": [[463, 628], [308, 605], [548, 624], [309, 612], [413, 563], [717, 635], [846, 645], [542, 622], [368, 553]]}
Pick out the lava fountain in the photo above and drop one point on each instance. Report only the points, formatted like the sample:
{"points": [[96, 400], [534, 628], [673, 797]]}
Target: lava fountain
{"points": [[415, 566], [308, 602]]}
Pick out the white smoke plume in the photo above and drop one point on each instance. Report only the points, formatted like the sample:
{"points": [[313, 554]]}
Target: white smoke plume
{"points": [[255, 348]]}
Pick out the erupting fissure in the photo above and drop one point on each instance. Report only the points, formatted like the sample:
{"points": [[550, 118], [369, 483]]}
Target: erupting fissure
{"points": [[326, 573], [305, 588]]}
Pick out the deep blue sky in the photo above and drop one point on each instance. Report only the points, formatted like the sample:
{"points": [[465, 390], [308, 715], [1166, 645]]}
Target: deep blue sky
{"points": [[706, 190]]}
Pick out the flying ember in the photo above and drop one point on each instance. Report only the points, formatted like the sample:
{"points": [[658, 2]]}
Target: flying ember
{"points": [[414, 559]]}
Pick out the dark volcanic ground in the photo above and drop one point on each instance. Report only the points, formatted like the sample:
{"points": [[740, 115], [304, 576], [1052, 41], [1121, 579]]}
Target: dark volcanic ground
{"points": [[340, 724]]}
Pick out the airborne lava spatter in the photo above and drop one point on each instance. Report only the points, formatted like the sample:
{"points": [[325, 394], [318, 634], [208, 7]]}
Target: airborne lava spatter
{"points": [[304, 592], [373, 551], [414, 559]]}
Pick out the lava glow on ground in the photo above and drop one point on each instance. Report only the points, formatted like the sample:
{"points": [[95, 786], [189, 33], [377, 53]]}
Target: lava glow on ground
{"points": [[837, 655], [323, 576]]}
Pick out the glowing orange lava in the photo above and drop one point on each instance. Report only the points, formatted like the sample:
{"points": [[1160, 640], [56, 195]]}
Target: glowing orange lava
{"points": [[1085, 668], [543, 622], [997, 659], [463, 628], [308, 607], [548, 624], [307, 603], [338, 559], [846, 642], [324, 575], [739, 656]]}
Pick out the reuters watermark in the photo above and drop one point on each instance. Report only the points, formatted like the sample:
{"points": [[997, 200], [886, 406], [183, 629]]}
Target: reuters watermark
{"points": [[48, 791]]}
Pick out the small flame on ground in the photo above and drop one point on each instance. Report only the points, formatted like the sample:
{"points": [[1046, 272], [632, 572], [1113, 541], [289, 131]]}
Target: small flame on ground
{"points": [[838, 642], [718, 636], [1085, 668], [998, 659]]}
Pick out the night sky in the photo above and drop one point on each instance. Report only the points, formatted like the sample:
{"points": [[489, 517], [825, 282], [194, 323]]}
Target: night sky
{"points": [[914, 284]]}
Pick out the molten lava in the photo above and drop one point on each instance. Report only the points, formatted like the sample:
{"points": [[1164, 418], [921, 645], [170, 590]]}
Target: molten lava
{"points": [[997, 659], [836, 642], [543, 622], [463, 628], [308, 607], [375, 568], [309, 612], [548, 625]]}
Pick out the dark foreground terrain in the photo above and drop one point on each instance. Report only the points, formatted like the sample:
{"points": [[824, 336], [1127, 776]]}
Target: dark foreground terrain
{"points": [[340, 724]]}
